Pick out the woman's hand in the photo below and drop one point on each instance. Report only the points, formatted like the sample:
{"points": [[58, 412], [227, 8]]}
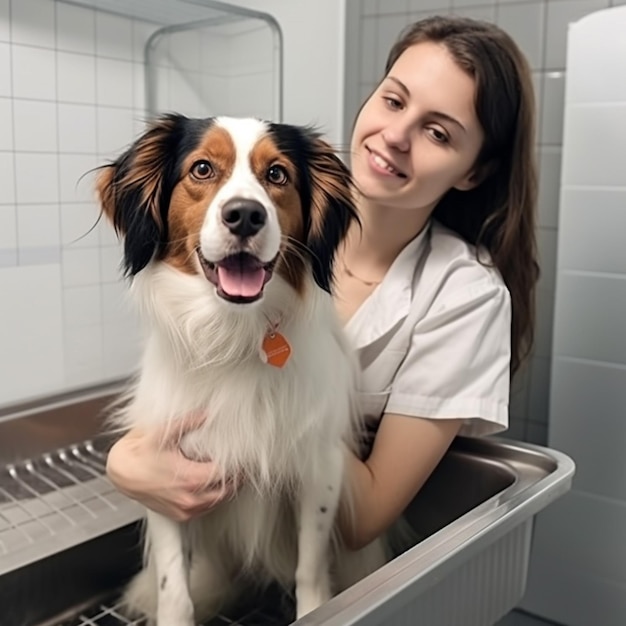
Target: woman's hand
{"points": [[161, 478]]}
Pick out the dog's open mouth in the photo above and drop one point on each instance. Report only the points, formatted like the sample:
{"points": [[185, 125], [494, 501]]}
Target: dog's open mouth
{"points": [[239, 277]]}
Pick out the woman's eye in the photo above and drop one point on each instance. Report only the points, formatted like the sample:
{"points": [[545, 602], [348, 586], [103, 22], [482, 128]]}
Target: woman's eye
{"points": [[202, 170], [393, 103], [277, 175], [438, 135]]}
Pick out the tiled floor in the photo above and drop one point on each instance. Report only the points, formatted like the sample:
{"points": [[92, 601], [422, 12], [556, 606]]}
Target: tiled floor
{"points": [[517, 618]]}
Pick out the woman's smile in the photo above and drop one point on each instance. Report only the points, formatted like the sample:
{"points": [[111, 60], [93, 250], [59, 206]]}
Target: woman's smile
{"points": [[382, 165]]}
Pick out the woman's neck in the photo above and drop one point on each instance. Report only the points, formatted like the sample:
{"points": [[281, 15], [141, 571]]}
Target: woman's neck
{"points": [[384, 232]]}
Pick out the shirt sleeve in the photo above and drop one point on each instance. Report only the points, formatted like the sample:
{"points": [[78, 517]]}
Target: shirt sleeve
{"points": [[458, 361]]}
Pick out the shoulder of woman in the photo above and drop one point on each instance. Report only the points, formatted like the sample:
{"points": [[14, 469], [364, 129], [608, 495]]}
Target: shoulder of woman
{"points": [[455, 264]]}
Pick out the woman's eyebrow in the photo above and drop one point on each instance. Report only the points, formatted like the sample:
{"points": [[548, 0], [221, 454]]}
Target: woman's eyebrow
{"points": [[438, 114], [448, 118], [400, 84]]}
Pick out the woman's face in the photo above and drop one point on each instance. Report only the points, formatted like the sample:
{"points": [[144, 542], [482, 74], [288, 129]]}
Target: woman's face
{"points": [[418, 135]]}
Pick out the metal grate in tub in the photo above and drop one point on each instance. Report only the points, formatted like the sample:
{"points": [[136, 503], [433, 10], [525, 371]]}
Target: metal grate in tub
{"points": [[61, 491], [110, 613]]}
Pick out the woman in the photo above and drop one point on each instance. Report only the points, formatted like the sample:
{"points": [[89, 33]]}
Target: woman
{"points": [[436, 289]]}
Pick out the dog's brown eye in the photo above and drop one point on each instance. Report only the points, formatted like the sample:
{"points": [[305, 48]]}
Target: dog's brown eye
{"points": [[202, 170], [277, 175]]}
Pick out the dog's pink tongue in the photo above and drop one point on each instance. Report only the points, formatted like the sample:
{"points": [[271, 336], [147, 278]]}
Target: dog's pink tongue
{"points": [[240, 280]]}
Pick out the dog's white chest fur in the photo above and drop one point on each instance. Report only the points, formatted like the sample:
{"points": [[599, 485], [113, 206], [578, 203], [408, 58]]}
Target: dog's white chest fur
{"points": [[262, 421], [281, 430]]}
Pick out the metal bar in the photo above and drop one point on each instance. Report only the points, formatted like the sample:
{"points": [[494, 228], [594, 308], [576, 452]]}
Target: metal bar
{"points": [[58, 489], [63, 456], [92, 450], [89, 465], [12, 526], [19, 505], [229, 9], [124, 620]]}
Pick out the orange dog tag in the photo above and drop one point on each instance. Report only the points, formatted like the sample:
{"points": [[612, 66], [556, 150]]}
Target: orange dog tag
{"points": [[275, 349]]}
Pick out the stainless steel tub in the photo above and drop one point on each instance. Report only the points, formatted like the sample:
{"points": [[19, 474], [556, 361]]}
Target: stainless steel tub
{"points": [[68, 540]]}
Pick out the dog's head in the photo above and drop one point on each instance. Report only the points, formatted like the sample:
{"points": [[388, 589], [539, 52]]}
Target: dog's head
{"points": [[231, 199]]}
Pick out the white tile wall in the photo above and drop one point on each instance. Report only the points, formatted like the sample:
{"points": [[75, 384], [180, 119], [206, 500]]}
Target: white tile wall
{"points": [[549, 186], [82, 306], [36, 178], [33, 73], [484, 12], [455, 4], [115, 129], [591, 125], [76, 184], [8, 228], [78, 225], [543, 329], [185, 51], [602, 85], [599, 548], [525, 23], [591, 597], [5, 28], [83, 354], [75, 29], [551, 120], [69, 66], [38, 226], [593, 395], [590, 304], [35, 126], [590, 211], [114, 37], [32, 23], [392, 6], [430, 5], [72, 96], [5, 69], [77, 128], [560, 14], [7, 178], [6, 128], [539, 393], [546, 246], [31, 332], [114, 81], [370, 69]]}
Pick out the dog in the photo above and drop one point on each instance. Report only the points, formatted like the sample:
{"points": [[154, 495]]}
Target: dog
{"points": [[230, 228]]}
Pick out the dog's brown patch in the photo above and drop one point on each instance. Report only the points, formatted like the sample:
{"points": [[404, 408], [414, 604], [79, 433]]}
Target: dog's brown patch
{"points": [[286, 199], [191, 198]]}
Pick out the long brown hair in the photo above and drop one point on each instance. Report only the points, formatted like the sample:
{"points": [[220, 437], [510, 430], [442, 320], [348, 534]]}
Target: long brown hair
{"points": [[499, 214]]}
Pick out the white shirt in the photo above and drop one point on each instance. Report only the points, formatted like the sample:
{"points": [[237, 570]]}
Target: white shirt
{"points": [[433, 339]]}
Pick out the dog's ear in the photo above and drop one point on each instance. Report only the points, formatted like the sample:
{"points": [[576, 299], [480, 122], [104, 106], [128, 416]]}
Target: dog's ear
{"points": [[135, 191], [326, 193], [332, 208]]}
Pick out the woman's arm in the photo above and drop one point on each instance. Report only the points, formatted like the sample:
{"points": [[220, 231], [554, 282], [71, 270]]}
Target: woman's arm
{"points": [[405, 453], [155, 472]]}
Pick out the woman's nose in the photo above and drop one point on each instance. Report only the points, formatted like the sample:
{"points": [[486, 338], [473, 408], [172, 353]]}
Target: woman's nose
{"points": [[398, 136]]}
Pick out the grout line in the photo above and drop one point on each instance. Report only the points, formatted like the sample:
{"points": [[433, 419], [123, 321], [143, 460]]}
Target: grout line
{"points": [[12, 82], [98, 245], [59, 201]]}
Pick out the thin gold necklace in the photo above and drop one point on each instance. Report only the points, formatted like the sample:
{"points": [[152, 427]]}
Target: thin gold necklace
{"points": [[351, 274]]}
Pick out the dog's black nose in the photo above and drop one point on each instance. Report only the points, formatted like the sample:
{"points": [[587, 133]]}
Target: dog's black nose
{"points": [[244, 218]]}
